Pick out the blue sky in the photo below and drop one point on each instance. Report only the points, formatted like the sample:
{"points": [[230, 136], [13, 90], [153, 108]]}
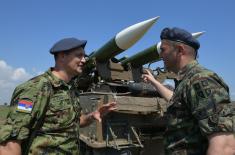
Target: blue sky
{"points": [[29, 28]]}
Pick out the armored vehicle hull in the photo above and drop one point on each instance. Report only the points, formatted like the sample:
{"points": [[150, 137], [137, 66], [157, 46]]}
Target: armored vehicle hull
{"points": [[135, 128]]}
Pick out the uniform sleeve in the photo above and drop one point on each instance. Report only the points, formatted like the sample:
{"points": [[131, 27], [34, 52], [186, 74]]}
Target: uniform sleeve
{"points": [[27, 104], [210, 105]]}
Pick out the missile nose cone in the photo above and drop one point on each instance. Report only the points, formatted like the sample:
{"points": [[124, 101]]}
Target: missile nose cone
{"points": [[123, 40], [129, 36], [159, 47], [198, 34]]}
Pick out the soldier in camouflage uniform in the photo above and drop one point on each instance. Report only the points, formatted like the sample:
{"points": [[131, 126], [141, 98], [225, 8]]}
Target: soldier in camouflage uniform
{"points": [[45, 113], [200, 115]]}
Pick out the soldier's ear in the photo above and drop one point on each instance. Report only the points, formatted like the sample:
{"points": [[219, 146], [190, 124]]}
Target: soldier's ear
{"points": [[181, 49], [63, 55]]}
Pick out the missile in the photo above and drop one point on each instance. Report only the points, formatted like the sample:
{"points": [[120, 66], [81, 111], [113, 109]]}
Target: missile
{"points": [[123, 40], [143, 57], [198, 34], [150, 54]]}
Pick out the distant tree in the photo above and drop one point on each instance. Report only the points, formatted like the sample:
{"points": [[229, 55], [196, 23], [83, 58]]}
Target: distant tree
{"points": [[5, 103]]}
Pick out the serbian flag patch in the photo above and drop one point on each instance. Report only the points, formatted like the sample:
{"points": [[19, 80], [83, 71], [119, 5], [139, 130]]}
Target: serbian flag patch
{"points": [[25, 106]]}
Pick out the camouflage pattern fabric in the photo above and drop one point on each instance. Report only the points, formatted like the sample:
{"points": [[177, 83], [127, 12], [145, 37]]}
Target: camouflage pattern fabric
{"points": [[59, 133], [199, 107]]}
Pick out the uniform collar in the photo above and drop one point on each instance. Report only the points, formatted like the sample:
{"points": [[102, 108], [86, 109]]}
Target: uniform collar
{"points": [[186, 69], [55, 81]]}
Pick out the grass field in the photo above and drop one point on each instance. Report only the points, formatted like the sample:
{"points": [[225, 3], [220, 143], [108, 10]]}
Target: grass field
{"points": [[3, 112]]}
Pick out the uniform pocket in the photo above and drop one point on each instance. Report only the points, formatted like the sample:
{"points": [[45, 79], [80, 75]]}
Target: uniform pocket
{"points": [[60, 112]]}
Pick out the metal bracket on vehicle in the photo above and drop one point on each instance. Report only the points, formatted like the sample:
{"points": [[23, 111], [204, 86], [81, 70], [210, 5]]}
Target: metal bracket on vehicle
{"points": [[123, 142], [114, 138], [137, 137]]}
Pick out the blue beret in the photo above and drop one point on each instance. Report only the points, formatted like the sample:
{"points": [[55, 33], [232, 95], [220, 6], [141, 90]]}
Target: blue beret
{"points": [[180, 35], [67, 44]]}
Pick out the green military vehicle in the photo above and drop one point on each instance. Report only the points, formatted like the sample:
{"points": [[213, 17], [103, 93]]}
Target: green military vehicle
{"points": [[137, 126]]}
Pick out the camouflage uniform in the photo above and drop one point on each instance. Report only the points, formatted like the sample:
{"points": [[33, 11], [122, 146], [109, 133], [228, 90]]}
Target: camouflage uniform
{"points": [[199, 107], [59, 129]]}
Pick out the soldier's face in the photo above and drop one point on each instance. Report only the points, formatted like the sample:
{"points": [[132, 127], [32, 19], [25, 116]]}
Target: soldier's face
{"points": [[74, 61], [169, 55]]}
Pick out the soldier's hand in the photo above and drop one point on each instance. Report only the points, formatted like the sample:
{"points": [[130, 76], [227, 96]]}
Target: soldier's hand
{"points": [[103, 110], [147, 76]]}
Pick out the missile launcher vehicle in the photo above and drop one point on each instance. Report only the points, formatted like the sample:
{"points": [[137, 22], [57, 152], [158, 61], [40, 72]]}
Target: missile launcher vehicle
{"points": [[137, 126]]}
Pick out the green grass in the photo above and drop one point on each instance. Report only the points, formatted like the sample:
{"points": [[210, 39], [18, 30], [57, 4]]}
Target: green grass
{"points": [[3, 111]]}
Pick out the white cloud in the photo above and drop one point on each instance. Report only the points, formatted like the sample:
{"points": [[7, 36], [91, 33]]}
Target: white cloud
{"points": [[20, 74], [3, 64], [9, 78]]}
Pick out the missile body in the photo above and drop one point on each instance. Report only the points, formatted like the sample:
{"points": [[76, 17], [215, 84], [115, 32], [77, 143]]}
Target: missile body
{"points": [[150, 54], [123, 40]]}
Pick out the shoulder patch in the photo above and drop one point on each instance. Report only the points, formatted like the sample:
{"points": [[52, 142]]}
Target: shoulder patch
{"points": [[25, 105], [208, 91], [202, 89], [204, 83]]}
